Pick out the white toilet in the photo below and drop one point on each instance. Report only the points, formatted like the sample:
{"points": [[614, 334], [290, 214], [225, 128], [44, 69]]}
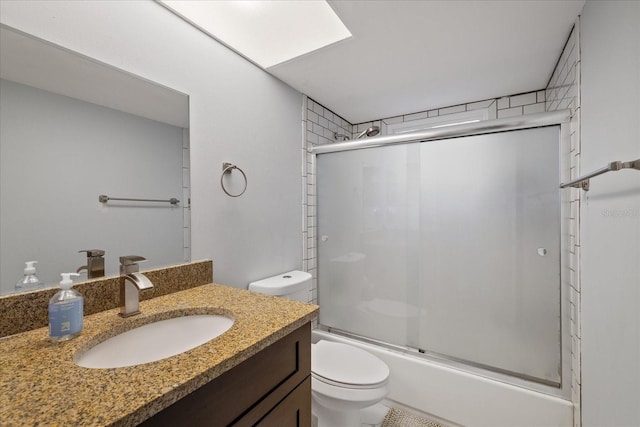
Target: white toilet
{"points": [[344, 378]]}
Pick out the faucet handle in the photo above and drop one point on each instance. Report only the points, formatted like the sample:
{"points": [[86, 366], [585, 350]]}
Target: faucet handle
{"points": [[93, 252], [131, 259]]}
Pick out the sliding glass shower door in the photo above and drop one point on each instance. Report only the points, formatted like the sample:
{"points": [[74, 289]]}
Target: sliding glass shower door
{"points": [[450, 247]]}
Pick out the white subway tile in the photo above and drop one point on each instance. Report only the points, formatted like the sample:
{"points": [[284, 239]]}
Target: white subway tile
{"points": [[524, 99], [328, 115], [393, 120], [503, 103], [534, 108], [553, 106], [540, 96], [329, 134], [323, 122], [480, 104], [432, 113], [415, 116], [312, 138], [451, 110], [493, 110], [312, 116], [510, 112], [565, 103], [187, 237], [319, 109]]}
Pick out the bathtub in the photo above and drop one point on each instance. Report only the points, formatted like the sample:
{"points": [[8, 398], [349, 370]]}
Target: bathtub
{"points": [[462, 397]]}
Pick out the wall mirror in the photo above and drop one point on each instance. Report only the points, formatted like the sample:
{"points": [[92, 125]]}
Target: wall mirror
{"points": [[71, 129]]}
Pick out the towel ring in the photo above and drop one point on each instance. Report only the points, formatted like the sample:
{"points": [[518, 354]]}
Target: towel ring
{"points": [[227, 168]]}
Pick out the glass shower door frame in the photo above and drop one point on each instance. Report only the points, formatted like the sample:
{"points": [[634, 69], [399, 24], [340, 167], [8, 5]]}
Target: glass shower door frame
{"points": [[537, 120]]}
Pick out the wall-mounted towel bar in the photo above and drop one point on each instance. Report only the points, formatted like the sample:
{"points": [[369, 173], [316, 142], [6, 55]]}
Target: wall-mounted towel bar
{"points": [[583, 181], [104, 199]]}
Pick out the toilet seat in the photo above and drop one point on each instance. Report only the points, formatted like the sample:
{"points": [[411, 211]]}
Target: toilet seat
{"points": [[343, 365]]}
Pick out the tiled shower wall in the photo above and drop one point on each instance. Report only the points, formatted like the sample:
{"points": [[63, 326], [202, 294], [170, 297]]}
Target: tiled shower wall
{"points": [[320, 125], [563, 91], [186, 196]]}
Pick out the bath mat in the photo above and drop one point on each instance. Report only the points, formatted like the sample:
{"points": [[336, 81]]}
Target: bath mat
{"points": [[399, 418]]}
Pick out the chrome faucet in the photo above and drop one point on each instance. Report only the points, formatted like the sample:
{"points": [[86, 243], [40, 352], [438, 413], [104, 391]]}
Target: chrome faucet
{"points": [[95, 263], [131, 285]]}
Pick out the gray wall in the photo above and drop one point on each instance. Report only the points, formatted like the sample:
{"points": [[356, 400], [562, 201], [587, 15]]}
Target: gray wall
{"points": [[57, 154], [610, 214], [238, 113]]}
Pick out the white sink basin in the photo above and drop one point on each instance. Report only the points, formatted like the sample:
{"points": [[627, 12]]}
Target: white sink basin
{"points": [[155, 341]]}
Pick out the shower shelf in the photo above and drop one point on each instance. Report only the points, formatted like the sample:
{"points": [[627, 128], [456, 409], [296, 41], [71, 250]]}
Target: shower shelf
{"points": [[583, 181]]}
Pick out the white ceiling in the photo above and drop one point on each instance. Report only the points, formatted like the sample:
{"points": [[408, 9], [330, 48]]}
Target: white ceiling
{"points": [[409, 56], [34, 62]]}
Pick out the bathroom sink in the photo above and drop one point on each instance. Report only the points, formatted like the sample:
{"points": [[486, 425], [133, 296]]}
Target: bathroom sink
{"points": [[154, 341]]}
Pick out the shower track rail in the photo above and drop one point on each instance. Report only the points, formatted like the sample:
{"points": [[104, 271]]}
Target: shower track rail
{"points": [[485, 371], [454, 131]]}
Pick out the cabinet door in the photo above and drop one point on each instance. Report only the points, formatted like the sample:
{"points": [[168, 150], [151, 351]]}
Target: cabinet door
{"points": [[293, 411], [243, 395]]}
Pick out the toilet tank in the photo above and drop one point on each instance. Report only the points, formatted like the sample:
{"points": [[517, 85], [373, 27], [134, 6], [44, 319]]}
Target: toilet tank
{"points": [[294, 285]]}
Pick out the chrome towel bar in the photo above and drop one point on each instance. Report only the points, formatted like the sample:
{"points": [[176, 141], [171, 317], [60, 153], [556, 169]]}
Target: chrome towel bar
{"points": [[104, 199], [583, 181]]}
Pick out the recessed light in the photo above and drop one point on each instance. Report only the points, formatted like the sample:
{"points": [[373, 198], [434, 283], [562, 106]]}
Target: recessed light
{"points": [[267, 32]]}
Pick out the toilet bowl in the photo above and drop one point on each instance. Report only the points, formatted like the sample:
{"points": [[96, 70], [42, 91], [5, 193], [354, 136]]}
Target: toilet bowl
{"points": [[344, 378]]}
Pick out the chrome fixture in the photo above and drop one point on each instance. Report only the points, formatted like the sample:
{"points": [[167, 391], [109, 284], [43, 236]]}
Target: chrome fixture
{"points": [[95, 263], [226, 169], [583, 181], [102, 198], [131, 285], [370, 131], [434, 134], [339, 136]]}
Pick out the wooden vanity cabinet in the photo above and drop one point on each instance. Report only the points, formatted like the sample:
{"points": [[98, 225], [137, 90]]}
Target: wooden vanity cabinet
{"points": [[272, 388]]}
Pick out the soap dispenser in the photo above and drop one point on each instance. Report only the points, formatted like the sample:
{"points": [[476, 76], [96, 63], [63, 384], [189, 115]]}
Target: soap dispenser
{"points": [[66, 311], [30, 281]]}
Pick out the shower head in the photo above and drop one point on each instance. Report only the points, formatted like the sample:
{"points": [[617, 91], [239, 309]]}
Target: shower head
{"points": [[370, 131]]}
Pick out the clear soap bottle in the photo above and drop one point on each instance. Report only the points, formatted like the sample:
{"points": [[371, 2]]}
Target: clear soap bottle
{"points": [[30, 281], [66, 311]]}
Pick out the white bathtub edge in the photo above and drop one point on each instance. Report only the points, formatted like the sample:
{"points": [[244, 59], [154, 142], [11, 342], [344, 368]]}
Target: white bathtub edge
{"points": [[462, 397]]}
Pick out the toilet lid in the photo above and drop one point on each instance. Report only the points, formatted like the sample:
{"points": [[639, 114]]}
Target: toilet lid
{"points": [[347, 364]]}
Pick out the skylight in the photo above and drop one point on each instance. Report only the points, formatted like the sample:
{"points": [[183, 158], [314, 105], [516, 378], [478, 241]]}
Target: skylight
{"points": [[267, 32]]}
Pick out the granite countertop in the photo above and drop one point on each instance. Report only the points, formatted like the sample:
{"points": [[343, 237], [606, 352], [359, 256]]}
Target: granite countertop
{"points": [[41, 385]]}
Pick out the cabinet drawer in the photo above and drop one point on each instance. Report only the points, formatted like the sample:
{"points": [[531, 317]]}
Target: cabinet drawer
{"points": [[246, 393], [293, 411]]}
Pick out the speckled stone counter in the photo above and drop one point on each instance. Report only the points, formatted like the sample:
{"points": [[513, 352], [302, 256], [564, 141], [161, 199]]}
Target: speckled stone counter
{"points": [[41, 385], [29, 310]]}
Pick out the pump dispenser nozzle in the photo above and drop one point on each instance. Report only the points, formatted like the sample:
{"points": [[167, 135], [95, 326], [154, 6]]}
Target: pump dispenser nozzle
{"points": [[66, 281], [30, 268], [30, 281]]}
